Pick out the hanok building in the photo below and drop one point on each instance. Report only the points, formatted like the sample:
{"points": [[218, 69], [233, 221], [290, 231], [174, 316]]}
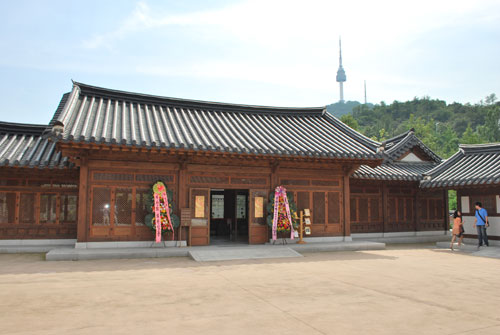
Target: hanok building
{"points": [[86, 175], [38, 186], [474, 172], [386, 201]]}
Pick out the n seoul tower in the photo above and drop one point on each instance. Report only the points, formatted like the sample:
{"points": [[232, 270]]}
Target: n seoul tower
{"points": [[341, 78]]}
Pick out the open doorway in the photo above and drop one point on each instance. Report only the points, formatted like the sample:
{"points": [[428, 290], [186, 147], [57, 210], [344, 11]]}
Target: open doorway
{"points": [[228, 216]]}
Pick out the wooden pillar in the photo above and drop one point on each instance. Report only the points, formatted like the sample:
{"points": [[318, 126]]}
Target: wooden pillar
{"points": [[182, 190], [182, 197], [446, 209], [347, 206], [83, 224], [385, 209], [417, 210]]}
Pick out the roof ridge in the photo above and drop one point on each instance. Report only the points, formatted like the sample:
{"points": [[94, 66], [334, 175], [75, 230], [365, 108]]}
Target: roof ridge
{"points": [[21, 128], [480, 148], [206, 105], [400, 136], [394, 151]]}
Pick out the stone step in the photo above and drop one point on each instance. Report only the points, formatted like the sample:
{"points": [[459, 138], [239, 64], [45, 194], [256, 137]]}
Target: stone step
{"points": [[226, 254]]}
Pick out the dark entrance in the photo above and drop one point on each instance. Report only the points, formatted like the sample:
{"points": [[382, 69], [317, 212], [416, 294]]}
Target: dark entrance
{"points": [[228, 216]]}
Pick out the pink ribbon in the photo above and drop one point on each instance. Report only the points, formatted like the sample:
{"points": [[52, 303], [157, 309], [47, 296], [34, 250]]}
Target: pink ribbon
{"points": [[157, 218], [281, 191], [163, 195]]}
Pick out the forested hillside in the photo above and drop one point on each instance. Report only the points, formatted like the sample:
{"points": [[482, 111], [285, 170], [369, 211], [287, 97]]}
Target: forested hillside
{"points": [[439, 125], [341, 108]]}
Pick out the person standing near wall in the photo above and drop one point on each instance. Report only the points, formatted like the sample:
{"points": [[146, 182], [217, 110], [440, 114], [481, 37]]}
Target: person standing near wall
{"points": [[481, 223], [458, 229]]}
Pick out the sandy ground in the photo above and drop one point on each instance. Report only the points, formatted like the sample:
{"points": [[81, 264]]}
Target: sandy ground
{"points": [[403, 290]]}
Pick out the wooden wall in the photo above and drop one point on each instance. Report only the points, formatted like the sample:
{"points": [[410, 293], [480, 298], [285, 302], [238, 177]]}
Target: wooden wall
{"points": [[37, 204], [489, 196], [113, 189], [378, 207], [116, 193]]}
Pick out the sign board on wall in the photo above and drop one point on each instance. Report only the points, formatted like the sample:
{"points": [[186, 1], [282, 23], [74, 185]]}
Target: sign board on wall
{"points": [[259, 207], [199, 209]]}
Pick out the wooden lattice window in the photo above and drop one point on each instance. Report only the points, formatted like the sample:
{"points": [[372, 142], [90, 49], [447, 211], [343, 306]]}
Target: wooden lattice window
{"points": [[325, 182], [209, 180], [357, 189], [151, 178], [248, 181], [333, 207], [432, 209], [363, 209], [27, 208], [401, 209], [48, 207], [319, 207], [112, 176], [69, 207], [354, 211], [423, 209], [141, 198], [296, 182], [101, 206], [123, 206], [11, 182], [303, 200], [7, 207], [374, 210], [393, 215], [409, 209]]}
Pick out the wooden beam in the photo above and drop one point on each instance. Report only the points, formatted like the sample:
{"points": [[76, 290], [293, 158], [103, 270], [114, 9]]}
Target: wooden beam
{"points": [[446, 209]]}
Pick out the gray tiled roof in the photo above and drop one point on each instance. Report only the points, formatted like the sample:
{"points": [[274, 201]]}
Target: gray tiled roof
{"points": [[394, 169], [399, 145], [23, 145], [477, 164], [98, 115]]}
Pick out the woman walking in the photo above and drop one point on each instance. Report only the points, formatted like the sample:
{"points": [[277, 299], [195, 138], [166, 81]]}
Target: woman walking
{"points": [[458, 229]]}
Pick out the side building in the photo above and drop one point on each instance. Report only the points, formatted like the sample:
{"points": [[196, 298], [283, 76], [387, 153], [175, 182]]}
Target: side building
{"points": [[38, 186], [474, 172], [387, 202]]}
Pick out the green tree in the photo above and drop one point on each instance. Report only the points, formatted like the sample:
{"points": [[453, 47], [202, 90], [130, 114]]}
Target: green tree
{"points": [[349, 120], [470, 136], [439, 125]]}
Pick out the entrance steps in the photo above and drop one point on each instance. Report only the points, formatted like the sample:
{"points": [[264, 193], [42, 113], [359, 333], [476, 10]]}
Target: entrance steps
{"points": [[249, 252], [208, 253], [34, 246]]}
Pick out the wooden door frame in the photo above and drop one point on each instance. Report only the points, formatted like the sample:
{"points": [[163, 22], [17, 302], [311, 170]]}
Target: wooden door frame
{"points": [[262, 227], [207, 211]]}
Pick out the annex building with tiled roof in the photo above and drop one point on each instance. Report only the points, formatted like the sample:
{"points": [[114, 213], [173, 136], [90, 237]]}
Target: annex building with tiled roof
{"points": [[386, 200], [474, 171]]}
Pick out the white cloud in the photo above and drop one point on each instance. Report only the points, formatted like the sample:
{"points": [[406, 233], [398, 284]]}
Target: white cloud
{"points": [[295, 43]]}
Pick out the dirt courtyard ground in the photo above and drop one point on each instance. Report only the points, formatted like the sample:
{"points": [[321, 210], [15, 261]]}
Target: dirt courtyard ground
{"points": [[402, 290]]}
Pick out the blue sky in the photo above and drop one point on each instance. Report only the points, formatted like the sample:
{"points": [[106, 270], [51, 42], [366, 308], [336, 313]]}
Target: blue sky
{"points": [[272, 52]]}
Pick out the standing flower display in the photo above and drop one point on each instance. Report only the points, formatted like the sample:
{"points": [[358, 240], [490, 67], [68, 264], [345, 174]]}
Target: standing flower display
{"points": [[283, 213], [161, 218]]}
